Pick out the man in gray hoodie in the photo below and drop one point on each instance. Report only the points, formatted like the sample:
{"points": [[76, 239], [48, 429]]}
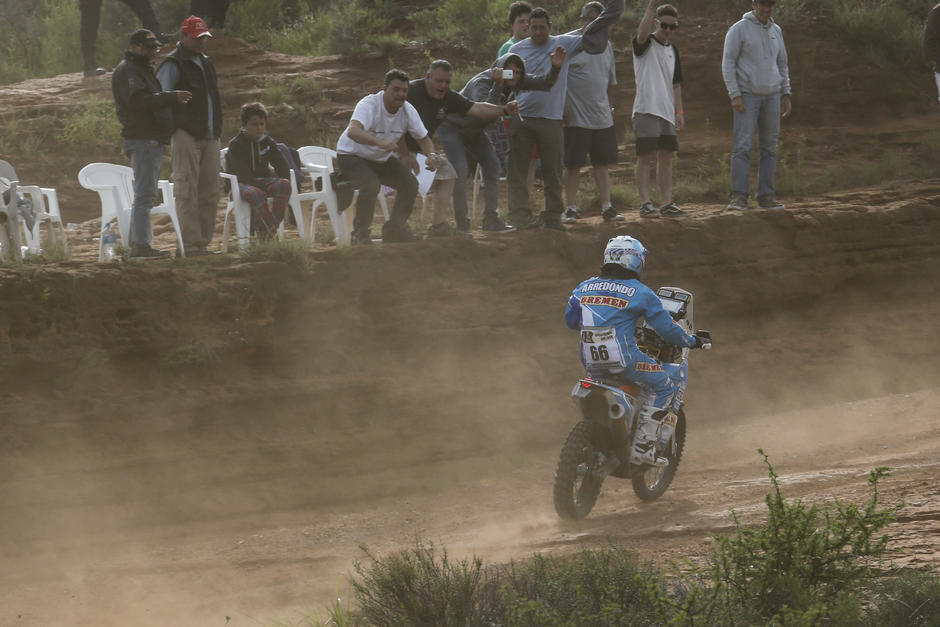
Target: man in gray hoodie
{"points": [[755, 71]]}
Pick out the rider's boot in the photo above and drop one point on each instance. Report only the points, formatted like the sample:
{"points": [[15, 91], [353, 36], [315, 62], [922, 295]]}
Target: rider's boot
{"points": [[650, 425]]}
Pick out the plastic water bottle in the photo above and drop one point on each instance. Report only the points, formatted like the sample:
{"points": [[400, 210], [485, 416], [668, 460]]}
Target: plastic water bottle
{"points": [[109, 240]]}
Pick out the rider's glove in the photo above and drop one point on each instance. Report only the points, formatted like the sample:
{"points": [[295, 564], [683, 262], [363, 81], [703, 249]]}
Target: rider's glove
{"points": [[699, 341]]}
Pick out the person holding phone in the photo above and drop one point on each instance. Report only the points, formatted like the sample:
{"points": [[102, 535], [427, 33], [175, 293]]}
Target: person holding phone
{"points": [[465, 138]]}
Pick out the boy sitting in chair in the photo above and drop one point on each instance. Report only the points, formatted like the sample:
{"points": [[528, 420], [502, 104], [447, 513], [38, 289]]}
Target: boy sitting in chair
{"points": [[251, 155]]}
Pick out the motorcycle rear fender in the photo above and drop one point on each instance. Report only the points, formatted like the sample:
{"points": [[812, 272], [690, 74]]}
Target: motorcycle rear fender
{"points": [[602, 402]]}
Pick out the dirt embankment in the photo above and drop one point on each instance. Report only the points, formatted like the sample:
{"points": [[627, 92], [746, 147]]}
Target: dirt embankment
{"points": [[183, 442]]}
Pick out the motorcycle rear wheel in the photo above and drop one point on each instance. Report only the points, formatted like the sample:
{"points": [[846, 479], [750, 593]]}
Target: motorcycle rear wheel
{"points": [[650, 483], [576, 489]]}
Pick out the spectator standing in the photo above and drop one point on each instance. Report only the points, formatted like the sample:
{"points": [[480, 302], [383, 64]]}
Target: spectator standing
{"points": [[756, 73], [590, 122], [433, 99], [519, 13], [144, 110], [195, 145], [212, 11], [657, 108], [932, 42], [251, 156], [518, 25], [463, 136], [366, 154], [88, 28], [539, 122]]}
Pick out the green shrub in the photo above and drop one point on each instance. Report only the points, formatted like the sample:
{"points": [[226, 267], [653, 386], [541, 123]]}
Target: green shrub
{"points": [[418, 586], [803, 565], [94, 124], [292, 251], [907, 599]]}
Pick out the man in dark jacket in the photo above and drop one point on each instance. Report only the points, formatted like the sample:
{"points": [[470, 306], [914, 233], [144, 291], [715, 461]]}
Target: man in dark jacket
{"points": [[144, 111], [932, 42], [194, 148], [251, 156]]}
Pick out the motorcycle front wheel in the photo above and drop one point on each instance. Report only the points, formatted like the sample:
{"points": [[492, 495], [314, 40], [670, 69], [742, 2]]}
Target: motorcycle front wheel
{"points": [[576, 488], [650, 483]]}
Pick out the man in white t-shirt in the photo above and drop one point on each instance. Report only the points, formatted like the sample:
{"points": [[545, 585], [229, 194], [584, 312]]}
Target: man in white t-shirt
{"points": [[657, 108], [366, 152]]}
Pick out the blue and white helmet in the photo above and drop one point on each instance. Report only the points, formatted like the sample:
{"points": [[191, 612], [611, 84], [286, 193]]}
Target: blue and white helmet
{"points": [[626, 252]]}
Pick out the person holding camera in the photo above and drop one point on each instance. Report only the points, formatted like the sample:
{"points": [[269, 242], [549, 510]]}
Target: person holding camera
{"points": [[463, 136]]}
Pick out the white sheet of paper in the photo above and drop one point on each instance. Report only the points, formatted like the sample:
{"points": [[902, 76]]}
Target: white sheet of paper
{"points": [[425, 176]]}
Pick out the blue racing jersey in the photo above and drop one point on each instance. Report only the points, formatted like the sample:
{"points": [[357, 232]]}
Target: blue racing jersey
{"points": [[606, 311]]}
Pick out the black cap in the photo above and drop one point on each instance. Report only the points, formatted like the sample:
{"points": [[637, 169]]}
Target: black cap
{"points": [[145, 38]]}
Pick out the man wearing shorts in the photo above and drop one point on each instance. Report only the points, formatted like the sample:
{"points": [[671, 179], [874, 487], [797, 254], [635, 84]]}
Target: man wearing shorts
{"points": [[657, 109], [590, 122]]}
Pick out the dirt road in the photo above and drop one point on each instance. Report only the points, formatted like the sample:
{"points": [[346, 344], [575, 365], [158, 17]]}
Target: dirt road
{"points": [[187, 442]]}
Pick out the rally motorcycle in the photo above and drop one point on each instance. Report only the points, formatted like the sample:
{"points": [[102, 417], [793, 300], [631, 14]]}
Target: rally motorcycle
{"points": [[600, 444]]}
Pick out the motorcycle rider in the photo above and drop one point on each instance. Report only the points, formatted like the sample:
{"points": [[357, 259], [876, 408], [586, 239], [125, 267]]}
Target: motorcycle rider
{"points": [[606, 310]]}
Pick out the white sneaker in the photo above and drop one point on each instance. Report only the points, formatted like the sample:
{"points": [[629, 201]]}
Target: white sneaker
{"points": [[570, 215]]}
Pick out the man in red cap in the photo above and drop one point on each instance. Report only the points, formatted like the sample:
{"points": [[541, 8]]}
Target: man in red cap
{"points": [[194, 149]]}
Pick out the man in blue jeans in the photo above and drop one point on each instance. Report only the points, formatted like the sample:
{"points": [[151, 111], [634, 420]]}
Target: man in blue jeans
{"points": [[147, 123], [755, 70]]}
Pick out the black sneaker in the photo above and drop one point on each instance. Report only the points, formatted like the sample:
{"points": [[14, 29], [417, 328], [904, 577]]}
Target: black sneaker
{"points": [[610, 215], [648, 210], [442, 229], [671, 210], [496, 225], [397, 234], [147, 252], [570, 216], [769, 202], [95, 71], [358, 238], [738, 202]]}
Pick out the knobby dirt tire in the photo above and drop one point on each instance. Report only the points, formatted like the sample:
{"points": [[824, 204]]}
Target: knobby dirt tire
{"points": [[650, 484], [574, 493]]}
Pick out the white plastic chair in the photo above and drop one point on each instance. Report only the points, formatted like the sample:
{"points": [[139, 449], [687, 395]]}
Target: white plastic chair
{"points": [[115, 187], [318, 162], [45, 205], [240, 211]]}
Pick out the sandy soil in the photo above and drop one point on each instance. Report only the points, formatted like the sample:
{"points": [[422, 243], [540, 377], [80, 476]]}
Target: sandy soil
{"points": [[186, 442]]}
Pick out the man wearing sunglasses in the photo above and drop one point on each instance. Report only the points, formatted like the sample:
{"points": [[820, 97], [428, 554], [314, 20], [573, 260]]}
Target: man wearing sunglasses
{"points": [[756, 73], [657, 107]]}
